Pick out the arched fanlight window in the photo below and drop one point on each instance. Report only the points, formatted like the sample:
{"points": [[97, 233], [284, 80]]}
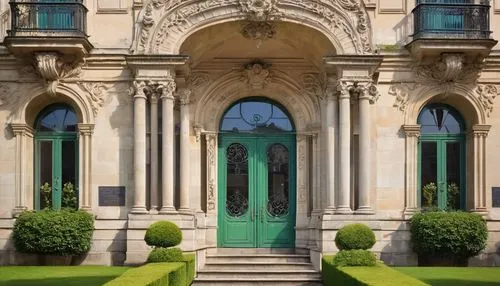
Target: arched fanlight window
{"points": [[256, 115], [57, 118], [441, 148]]}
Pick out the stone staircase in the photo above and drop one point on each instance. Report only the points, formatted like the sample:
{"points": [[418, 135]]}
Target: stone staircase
{"points": [[245, 266]]}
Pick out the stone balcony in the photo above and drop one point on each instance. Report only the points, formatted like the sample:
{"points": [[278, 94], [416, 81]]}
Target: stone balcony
{"points": [[457, 27], [48, 26]]}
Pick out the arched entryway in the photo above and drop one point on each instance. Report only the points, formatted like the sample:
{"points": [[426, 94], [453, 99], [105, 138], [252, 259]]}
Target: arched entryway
{"points": [[441, 158], [256, 167], [56, 158]]}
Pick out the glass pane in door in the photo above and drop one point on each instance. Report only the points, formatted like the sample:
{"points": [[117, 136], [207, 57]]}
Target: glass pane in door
{"points": [[45, 167], [428, 174], [277, 174], [69, 198], [453, 175], [237, 195]]}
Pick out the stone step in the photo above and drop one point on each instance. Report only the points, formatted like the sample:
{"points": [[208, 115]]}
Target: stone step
{"points": [[242, 266], [237, 251], [269, 258], [262, 274], [258, 281]]}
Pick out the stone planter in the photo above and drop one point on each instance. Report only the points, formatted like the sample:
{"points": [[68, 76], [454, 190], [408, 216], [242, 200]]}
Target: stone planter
{"points": [[55, 260]]}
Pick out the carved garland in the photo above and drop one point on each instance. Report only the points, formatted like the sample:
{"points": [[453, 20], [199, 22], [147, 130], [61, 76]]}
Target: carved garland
{"points": [[180, 16]]}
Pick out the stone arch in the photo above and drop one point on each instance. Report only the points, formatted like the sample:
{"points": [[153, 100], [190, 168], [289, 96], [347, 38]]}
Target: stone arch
{"points": [[163, 25], [228, 89], [39, 99], [461, 98]]}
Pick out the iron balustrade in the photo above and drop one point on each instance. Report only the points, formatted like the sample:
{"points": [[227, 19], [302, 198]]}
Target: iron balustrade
{"points": [[451, 19], [50, 18]]}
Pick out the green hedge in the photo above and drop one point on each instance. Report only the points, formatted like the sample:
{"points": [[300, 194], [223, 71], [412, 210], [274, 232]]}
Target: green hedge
{"points": [[63, 232], [354, 236], [163, 234], [355, 257], [455, 234], [160, 254], [364, 275], [159, 274]]}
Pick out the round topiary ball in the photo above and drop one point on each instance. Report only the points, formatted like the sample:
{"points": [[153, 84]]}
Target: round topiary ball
{"points": [[355, 236], [160, 254], [163, 234]]}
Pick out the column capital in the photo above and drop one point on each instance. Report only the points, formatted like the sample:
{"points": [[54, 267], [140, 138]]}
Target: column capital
{"points": [[184, 95], [22, 129], [167, 87], [86, 128], [412, 130], [480, 130], [138, 89]]}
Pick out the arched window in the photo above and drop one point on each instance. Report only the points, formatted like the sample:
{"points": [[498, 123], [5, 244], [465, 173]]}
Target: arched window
{"points": [[256, 115], [441, 158], [56, 157]]}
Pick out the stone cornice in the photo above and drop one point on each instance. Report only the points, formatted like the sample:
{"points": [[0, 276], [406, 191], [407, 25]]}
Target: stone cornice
{"points": [[22, 129]]}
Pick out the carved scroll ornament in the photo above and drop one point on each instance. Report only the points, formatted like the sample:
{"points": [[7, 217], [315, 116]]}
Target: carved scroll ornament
{"points": [[52, 69]]}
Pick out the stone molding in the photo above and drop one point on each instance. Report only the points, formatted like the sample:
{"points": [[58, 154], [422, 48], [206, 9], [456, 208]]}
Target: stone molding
{"points": [[162, 25]]}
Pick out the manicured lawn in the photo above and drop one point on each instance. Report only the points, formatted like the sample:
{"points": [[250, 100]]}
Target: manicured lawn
{"points": [[58, 275], [455, 276]]}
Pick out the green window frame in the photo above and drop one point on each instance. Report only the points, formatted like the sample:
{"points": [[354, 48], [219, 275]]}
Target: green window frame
{"points": [[56, 157], [442, 151]]}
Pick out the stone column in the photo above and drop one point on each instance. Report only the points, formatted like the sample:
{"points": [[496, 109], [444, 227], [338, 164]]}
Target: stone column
{"points": [[331, 119], [86, 131], [139, 148], [315, 174], [412, 133], [211, 140], [364, 177], [168, 135], [184, 96], [480, 132], [343, 205], [153, 187], [21, 131]]}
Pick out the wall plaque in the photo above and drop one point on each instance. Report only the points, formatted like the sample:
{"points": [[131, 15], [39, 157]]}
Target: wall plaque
{"points": [[110, 196], [495, 194]]}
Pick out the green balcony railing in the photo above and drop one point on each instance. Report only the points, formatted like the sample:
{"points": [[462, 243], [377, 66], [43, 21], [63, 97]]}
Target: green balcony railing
{"points": [[48, 18], [451, 19]]}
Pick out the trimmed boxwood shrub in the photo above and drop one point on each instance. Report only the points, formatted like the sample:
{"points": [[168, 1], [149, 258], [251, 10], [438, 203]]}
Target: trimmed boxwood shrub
{"points": [[355, 236], [452, 234], [160, 254], [63, 232], [158, 274], [163, 234], [355, 257]]}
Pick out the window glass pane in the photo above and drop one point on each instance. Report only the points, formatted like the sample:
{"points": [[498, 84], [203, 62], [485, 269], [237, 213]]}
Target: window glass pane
{"points": [[45, 182], [237, 180], [69, 198], [277, 176], [453, 175], [429, 174], [58, 118], [256, 117]]}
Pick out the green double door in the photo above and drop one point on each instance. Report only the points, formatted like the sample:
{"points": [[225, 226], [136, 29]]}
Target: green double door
{"points": [[256, 191]]}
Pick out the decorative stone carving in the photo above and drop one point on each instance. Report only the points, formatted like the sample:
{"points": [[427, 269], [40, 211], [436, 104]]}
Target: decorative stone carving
{"points": [[138, 89], [357, 90], [450, 68], [170, 20], [6, 93], [197, 80], [402, 93], [487, 94], [184, 95], [312, 85], [259, 31], [97, 92], [211, 140], [258, 10], [52, 69], [257, 76], [197, 132]]}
